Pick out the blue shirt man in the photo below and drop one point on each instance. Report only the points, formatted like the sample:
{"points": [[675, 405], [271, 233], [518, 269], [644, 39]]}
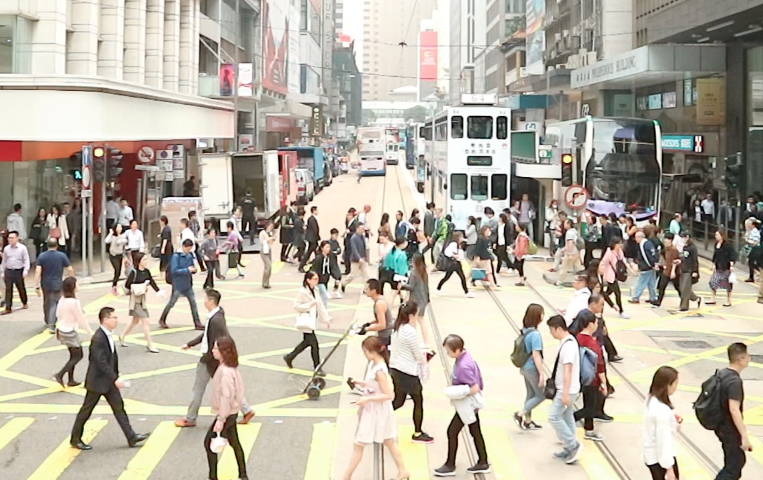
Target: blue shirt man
{"points": [[181, 270]]}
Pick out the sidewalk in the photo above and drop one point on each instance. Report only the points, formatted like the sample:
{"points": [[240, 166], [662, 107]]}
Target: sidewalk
{"points": [[96, 276]]}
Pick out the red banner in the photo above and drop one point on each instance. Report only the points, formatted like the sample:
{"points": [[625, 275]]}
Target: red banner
{"points": [[275, 45], [428, 55]]}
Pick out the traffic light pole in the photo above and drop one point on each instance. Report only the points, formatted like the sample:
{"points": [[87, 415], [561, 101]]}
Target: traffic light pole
{"points": [[102, 216]]}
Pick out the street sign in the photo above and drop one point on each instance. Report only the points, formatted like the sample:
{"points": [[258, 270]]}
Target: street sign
{"points": [[87, 176], [146, 154], [147, 168], [576, 197]]}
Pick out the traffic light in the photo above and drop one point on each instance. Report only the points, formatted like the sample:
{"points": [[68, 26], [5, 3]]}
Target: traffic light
{"points": [[114, 162], [734, 172], [99, 165], [567, 180]]}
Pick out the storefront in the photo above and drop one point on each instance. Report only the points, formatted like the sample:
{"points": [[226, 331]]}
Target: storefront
{"points": [[754, 104]]}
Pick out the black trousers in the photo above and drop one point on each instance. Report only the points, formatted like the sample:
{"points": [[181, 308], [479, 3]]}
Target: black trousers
{"points": [[284, 250], [658, 473], [308, 340], [474, 429], [312, 246], [454, 267], [116, 264], [593, 403], [75, 355], [503, 256], [663, 284], [213, 268], [117, 406], [520, 266], [14, 277], [229, 432], [588, 256], [405, 385], [200, 258], [734, 457], [611, 288], [249, 224]]}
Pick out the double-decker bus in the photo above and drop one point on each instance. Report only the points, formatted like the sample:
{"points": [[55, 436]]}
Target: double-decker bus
{"points": [[469, 157], [411, 137], [392, 140], [617, 160], [371, 145]]}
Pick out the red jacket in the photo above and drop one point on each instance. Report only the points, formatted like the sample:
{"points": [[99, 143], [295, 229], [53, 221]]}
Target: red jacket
{"points": [[593, 345]]}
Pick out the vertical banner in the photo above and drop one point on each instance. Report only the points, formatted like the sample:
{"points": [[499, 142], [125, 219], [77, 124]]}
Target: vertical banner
{"points": [[427, 64], [293, 59], [535, 36], [275, 45], [710, 101], [245, 80], [226, 80]]}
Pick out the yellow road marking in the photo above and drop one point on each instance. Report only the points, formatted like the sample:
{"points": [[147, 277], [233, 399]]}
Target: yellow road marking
{"points": [[414, 454], [277, 267], [15, 355], [757, 448], [150, 454], [93, 307], [227, 468], [503, 458], [593, 461], [688, 465], [284, 369], [13, 429], [273, 353], [321, 451], [58, 461], [294, 399]]}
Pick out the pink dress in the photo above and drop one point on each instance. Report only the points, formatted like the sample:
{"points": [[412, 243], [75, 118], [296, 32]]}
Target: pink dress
{"points": [[376, 420]]}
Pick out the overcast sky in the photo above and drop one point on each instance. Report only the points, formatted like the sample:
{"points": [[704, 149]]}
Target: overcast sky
{"points": [[353, 26]]}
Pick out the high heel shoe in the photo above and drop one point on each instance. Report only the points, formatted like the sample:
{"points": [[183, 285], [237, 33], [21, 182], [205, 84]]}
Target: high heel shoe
{"points": [[152, 350], [122, 341]]}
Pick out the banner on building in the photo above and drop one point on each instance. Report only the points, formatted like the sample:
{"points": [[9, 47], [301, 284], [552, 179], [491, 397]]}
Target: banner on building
{"points": [[710, 101], [245, 80], [344, 38], [427, 64], [226, 80], [535, 36], [294, 58], [275, 45]]}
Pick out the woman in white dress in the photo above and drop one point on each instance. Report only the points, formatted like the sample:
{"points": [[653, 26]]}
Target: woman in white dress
{"points": [[57, 228], [376, 418]]}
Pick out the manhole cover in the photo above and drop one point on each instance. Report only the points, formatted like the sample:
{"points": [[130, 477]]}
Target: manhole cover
{"points": [[756, 358], [692, 344]]}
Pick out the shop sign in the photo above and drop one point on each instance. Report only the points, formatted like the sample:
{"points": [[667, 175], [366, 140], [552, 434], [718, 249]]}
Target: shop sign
{"points": [[709, 102], [629, 63], [684, 143]]}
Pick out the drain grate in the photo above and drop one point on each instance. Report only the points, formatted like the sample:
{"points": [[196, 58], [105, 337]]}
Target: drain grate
{"points": [[692, 344], [756, 358]]}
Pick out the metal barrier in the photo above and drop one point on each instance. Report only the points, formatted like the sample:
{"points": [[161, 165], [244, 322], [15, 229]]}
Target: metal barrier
{"points": [[378, 461]]}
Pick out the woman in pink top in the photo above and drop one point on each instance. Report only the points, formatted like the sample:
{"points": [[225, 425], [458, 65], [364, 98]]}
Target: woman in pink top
{"points": [[608, 272], [69, 316], [227, 395], [521, 247]]}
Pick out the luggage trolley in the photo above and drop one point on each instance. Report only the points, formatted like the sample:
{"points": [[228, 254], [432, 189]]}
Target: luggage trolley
{"points": [[317, 382]]}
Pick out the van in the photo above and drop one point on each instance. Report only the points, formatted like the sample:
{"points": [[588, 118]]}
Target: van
{"points": [[305, 186]]}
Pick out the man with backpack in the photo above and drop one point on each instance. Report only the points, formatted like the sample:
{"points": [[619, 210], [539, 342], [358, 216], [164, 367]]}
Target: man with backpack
{"points": [[719, 408], [180, 276], [647, 261], [594, 392], [563, 389]]}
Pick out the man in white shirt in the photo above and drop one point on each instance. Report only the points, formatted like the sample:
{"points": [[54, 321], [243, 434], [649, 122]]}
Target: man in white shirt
{"points": [[579, 301], [708, 208], [125, 215], [185, 231], [112, 212], [561, 414]]}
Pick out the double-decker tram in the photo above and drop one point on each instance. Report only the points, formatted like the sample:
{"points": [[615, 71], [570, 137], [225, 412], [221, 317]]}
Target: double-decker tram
{"points": [[468, 157], [617, 160], [371, 150]]}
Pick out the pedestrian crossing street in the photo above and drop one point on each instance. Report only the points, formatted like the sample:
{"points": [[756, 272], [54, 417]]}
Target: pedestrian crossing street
{"points": [[52, 457]]}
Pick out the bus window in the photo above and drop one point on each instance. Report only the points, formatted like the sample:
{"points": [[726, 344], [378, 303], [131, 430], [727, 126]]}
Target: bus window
{"points": [[426, 132], [502, 128], [479, 187], [499, 186], [457, 127], [458, 186], [480, 128], [441, 130]]}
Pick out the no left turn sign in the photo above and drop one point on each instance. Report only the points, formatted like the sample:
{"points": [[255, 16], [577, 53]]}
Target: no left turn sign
{"points": [[146, 154], [576, 197]]}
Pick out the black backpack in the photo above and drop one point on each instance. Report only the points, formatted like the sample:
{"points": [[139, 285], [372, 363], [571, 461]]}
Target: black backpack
{"points": [[621, 271], [708, 407]]}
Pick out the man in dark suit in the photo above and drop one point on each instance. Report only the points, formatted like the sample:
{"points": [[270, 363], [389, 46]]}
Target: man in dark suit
{"points": [[312, 236], [102, 380], [215, 329]]}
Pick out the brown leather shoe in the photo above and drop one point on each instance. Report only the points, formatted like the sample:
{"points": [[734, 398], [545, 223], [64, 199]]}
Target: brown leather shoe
{"points": [[25, 306], [247, 418], [7, 311], [183, 423]]}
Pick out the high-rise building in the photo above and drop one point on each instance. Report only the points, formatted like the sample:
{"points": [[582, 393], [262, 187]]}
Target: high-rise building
{"points": [[387, 66], [339, 15]]}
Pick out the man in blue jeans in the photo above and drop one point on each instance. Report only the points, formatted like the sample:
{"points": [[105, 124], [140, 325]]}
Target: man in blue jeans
{"points": [[181, 272], [566, 374], [648, 264]]}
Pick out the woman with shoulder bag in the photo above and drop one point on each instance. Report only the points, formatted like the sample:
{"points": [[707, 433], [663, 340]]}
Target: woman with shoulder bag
{"points": [[137, 283], [57, 227], [613, 270], [532, 370], [418, 285], [724, 257], [117, 243], [39, 231], [309, 309], [69, 316], [452, 256]]}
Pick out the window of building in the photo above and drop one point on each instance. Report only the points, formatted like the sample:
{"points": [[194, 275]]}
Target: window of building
{"points": [[499, 186], [15, 47], [457, 127], [479, 127], [458, 186], [479, 187]]}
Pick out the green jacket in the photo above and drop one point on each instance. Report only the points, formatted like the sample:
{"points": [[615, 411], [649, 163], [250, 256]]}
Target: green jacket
{"points": [[397, 261], [441, 229]]}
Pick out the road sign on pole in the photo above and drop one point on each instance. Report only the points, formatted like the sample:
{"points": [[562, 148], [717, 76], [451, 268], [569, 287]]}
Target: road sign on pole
{"points": [[146, 154], [87, 174], [576, 197]]}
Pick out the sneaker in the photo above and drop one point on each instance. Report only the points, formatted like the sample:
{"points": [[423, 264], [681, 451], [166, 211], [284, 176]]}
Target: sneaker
{"points": [[421, 438], [114, 291], [439, 293], [603, 418], [470, 295], [562, 455], [574, 453], [519, 421], [445, 471], [615, 359], [479, 468], [634, 301], [594, 436], [624, 316], [338, 295], [532, 426]]}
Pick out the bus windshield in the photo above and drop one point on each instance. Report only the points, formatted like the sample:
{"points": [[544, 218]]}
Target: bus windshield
{"points": [[624, 168]]}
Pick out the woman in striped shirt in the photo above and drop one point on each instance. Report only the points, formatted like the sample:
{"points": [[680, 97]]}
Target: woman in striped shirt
{"points": [[406, 363]]}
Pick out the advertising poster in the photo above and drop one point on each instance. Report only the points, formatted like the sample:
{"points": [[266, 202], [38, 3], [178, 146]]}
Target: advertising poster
{"points": [[427, 64], [535, 36], [709, 101], [245, 80], [275, 45], [293, 59], [226, 80]]}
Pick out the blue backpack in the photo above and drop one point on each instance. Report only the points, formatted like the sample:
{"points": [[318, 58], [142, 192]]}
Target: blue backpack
{"points": [[588, 366]]}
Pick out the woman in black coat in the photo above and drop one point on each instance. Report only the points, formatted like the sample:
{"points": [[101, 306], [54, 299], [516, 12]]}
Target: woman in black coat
{"points": [[326, 265], [724, 257]]}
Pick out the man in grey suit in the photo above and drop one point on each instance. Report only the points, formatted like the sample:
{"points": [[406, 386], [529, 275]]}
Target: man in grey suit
{"points": [[214, 329]]}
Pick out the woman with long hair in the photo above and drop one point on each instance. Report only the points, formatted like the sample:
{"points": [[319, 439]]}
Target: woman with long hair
{"points": [[661, 425], [608, 271], [165, 248], [453, 256], [231, 245], [117, 243], [552, 224], [137, 283], [69, 316], [38, 232], [407, 364], [384, 230], [501, 250], [326, 265], [418, 285], [532, 370], [227, 397], [471, 237], [57, 227], [629, 234], [376, 416], [724, 257], [309, 311], [483, 257], [521, 249]]}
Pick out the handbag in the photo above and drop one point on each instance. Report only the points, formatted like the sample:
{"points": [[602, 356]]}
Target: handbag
{"points": [[55, 232], [532, 248], [218, 444], [139, 289], [306, 321]]}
